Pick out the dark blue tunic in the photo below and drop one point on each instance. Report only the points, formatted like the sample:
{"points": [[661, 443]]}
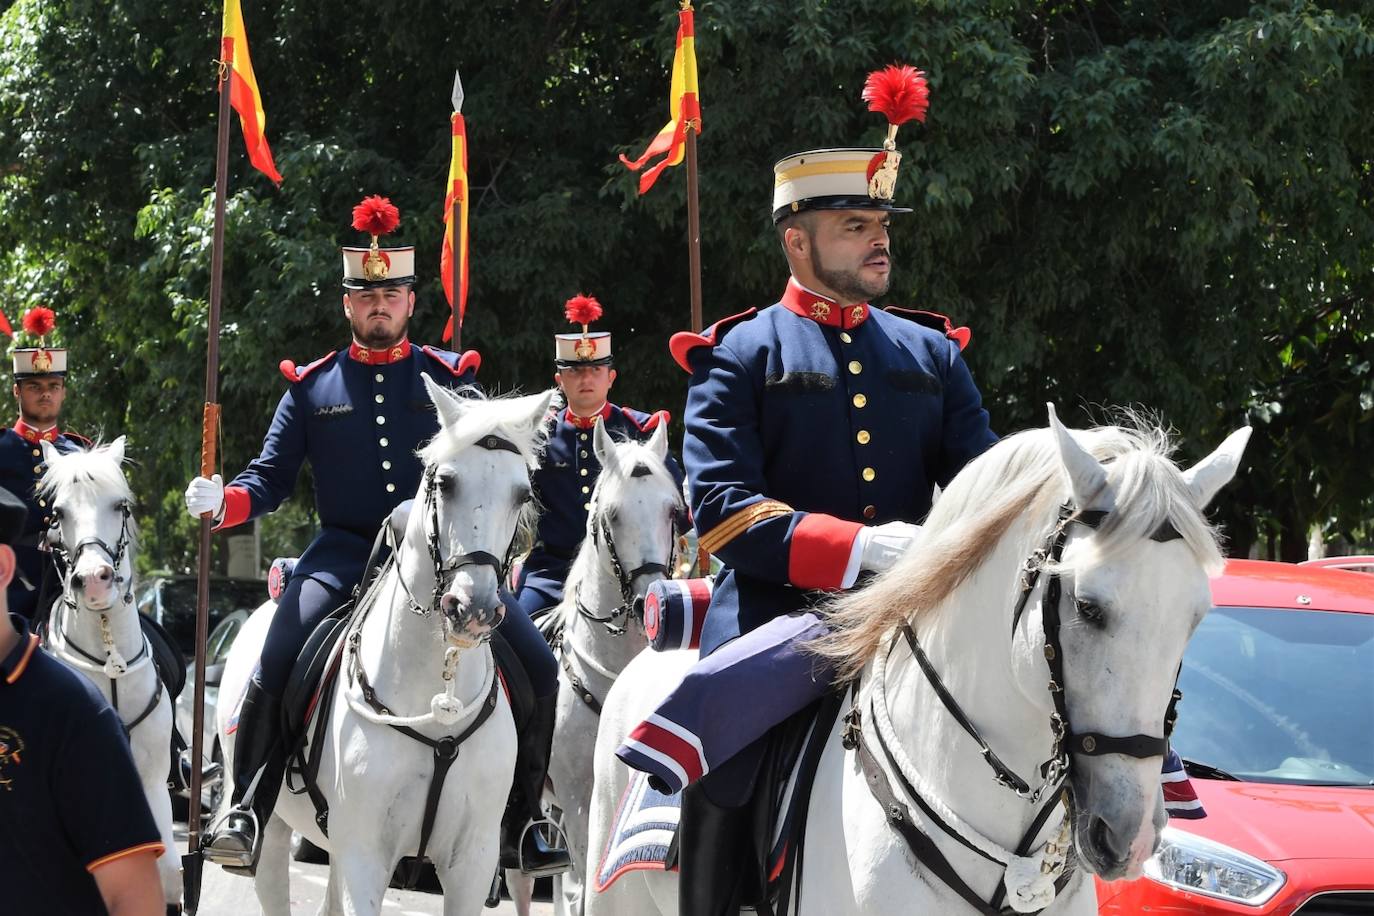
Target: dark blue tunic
{"points": [[563, 484], [21, 465], [799, 432], [70, 797]]}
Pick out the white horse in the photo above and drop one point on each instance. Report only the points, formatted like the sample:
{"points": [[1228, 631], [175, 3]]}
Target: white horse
{"points": [[628, 546], [1134, 555], [421, 647], [94, 626]]}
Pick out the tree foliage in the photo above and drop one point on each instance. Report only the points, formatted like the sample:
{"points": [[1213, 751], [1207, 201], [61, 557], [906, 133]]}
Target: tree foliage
{"points": [[1143, 202]]}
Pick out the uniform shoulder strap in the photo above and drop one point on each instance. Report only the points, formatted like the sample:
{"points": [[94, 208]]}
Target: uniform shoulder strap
{"points": [[683, 343], [936, 322], [297, 374], [646, 423], [456, 364]]}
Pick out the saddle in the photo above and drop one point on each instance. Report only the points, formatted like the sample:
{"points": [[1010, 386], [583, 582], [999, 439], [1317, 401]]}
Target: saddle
{"points": [[750, 855]]}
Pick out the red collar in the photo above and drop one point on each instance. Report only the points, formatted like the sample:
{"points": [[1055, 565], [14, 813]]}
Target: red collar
{"points": [[379, 357], [586, 422], [822, 309], [13, 665], [35, 436]]}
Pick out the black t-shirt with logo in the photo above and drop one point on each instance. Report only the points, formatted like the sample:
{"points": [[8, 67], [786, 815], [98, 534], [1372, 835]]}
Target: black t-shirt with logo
{"points": [[70, 797]]}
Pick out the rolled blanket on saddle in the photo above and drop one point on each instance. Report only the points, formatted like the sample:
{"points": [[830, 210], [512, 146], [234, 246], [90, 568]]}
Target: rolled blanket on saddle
{"points": [[703, 723], [674, 611]]}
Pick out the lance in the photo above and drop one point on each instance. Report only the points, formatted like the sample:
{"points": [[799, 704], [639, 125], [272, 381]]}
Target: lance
{"points": [[192, 864], [693, 224], [455, 269]]}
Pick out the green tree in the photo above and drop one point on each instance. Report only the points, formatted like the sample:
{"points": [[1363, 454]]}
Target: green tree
{"points": [[1155, 203]]}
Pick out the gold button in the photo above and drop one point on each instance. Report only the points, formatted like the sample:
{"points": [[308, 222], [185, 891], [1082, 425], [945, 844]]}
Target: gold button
{"points": [[384, 442], [379, 398], [381, 420], [379, 377], [586, 489], [391, 488], [860, 400], [844, 336], [47, 519], [583, 437], [38, 469], [37, 453], [583, 472], [42, 502], [582, 454], [855, 367], [869, 474], [586, 507], [870, 511], [863, 437], [386, 465]]}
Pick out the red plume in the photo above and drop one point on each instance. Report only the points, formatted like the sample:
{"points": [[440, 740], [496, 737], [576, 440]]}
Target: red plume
{"points": [[582, 309], [376, 215], [898, 91], [39, 321]]}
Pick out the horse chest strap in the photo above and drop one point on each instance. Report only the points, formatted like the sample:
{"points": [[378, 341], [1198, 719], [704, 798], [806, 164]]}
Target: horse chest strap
{"points": [[579, 688]]}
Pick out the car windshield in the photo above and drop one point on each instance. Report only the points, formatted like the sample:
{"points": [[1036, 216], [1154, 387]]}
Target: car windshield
{"points": [[1282, 696], [226, 596]]}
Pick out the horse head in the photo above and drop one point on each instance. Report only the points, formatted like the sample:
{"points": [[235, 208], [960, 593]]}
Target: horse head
{"points": [[632, 513], [1134, 588], [474, 493], [91, 507]]}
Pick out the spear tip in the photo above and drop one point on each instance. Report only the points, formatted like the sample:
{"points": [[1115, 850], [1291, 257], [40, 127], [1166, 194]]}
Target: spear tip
{"points": [[457, 92]]}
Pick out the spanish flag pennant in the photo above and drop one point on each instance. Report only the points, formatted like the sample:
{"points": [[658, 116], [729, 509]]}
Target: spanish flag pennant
{"points": [[684, 107], [243, 90], [456, 192]]}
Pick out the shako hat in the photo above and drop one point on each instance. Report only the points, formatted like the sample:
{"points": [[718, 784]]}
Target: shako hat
{"points": [[855, 179], [33, 355], [374, 266], [589, 348]]}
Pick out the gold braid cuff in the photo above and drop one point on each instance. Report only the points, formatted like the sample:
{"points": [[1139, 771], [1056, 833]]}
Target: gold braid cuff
{"points": [[741, 521]]}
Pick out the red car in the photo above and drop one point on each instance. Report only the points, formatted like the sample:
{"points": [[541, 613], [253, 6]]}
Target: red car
{"points": [[1276, 729]]}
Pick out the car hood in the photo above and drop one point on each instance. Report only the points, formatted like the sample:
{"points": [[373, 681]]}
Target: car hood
{"points": [[1286, 822]]}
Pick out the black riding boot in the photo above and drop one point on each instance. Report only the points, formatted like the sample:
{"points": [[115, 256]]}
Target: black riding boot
{"points": [[525, 843], [712, 855], [259, 762]]}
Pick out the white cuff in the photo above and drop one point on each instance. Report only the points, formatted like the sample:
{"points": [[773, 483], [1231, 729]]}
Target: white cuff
{"points": [[851, 569]]}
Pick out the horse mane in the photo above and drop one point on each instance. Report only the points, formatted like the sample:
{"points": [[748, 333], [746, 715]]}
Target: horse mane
{"points": [[1019, 480], [485, 416], [91, 468], [630, 455]]}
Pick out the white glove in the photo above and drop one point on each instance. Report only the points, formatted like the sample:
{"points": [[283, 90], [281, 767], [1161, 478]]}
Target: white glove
{"points": [[204, 495], [882, 546]]}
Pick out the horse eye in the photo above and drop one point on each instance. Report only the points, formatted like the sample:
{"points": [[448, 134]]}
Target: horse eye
{"points": [[447, 484], [523, 496], [1088, 611]]}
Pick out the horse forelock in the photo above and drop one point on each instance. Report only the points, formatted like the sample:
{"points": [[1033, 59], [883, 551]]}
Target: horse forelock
{"points": [[484, 416], [91, 471], [1014, 490]]}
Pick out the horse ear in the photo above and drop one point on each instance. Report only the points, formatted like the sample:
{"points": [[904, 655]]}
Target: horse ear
{"points": [[603, 447], [658, 442], [450, 408], [1216, 470], [50, 452], [1087, 477], [530, 412], [116, 450]]}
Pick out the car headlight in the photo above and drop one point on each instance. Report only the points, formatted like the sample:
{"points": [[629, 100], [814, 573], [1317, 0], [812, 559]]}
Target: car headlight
{"points": [[1192, 863]]}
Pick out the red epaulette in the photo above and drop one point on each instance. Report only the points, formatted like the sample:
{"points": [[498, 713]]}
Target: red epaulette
{"points": [[684, 342], [936, 322], [293, 374], [470, 359], [655, 418]]}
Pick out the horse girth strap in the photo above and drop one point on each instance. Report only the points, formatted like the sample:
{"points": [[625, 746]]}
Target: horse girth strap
{"points": [[921, 846], [445, 753]]}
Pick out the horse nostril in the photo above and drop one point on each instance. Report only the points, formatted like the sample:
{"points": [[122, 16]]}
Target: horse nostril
{"points": [[105, 574], [78, 582], [1104, 838], [449, 604]]}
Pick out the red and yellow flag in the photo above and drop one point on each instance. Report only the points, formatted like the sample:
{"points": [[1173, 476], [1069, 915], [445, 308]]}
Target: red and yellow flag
{"points": [[243, 90], [456, 191], [684, 107]]}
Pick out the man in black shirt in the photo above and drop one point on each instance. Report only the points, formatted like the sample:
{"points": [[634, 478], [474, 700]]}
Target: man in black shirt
{"points": [[77, 835]]}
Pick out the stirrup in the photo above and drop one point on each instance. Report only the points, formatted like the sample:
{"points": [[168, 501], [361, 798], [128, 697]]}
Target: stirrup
{"points": [[548, 870], [234, 859]]}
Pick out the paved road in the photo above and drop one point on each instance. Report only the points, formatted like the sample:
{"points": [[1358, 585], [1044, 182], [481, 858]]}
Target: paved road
{"points": [[230, 895]]}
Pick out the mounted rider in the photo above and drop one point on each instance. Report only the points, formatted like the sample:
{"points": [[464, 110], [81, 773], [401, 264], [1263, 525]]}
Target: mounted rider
{"points": [[358, 417], [817, 430], [40, 387], [563, 484]]}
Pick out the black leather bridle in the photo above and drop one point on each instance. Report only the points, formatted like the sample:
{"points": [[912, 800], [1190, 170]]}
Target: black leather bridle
{"points": [[115, 553]]}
